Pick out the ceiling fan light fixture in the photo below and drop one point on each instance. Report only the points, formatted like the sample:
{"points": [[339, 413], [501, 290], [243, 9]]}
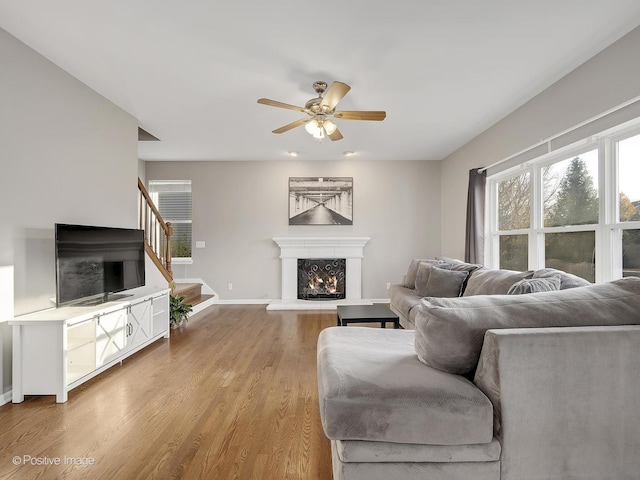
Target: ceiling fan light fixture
{"points": [[329, 126], [312, 126], [319, 134]]}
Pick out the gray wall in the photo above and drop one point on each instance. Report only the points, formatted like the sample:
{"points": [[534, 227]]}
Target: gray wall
{"points": [[606, 81], [67, 155], [238, 207]]}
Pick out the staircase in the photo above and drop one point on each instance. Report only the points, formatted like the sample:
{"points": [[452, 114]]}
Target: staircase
{"points": [[157, 235], [192, 293]]}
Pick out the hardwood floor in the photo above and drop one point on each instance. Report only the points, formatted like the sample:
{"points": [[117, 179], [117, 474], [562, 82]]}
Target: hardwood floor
{"points": [[232, 395]]}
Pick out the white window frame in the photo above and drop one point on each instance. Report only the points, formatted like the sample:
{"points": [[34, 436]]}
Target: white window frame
{"points": [[154, 197], [608, 230], [616, 227]]}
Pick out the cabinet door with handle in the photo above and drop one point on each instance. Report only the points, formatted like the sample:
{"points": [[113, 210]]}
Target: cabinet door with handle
{"points": [[138, 323], [110, 336]]}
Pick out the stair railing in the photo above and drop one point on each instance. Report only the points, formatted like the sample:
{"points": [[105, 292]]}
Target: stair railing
{"points": [[157, 233]]}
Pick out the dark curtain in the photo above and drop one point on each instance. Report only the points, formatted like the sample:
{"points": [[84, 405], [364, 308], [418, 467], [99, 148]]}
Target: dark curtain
{"points": [[474, 238]]}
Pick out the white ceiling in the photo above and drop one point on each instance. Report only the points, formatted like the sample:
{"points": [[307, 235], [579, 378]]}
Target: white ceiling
{"points": [[191, 71]]}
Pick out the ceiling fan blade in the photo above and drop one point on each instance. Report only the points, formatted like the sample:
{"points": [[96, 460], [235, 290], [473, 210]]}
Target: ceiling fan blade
{"points": [[291, 125], [336, 135], [336, 92], [273, 103], [357, 115]]}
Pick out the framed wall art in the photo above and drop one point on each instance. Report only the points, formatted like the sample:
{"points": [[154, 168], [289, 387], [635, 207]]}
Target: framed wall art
{"points": [[321, 201]]}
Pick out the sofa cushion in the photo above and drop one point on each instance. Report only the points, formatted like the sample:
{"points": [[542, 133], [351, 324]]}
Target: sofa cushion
{"points": [[567, 280], [413, 313], [403, 298], [422, 277], [372, 386], [458, 264], [351, 451], [449, 331], [535, 285], [409, 280], [487, 281], [440, 282]]}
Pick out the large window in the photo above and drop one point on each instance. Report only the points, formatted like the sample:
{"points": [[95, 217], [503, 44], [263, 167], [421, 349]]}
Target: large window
{"points": [[173, 200], [577, 210]]}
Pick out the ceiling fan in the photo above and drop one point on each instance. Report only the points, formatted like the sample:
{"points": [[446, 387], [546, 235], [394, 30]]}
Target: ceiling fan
{"points": [[320, 110]]}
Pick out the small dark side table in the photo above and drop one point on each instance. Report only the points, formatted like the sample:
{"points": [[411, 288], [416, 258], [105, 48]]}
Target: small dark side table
{"points": [[367, 314]]}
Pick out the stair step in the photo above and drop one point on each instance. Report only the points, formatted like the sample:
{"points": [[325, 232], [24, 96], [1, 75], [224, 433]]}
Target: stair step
{"points": [[191, 292], [201, 299]]}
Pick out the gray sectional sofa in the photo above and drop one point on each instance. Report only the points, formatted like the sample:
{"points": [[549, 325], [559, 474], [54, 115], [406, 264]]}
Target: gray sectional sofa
{"points": [[490, 387], [453, 278]]}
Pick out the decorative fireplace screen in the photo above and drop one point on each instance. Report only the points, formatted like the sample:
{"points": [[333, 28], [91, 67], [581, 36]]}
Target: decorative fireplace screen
{"points": [[321, 279]]}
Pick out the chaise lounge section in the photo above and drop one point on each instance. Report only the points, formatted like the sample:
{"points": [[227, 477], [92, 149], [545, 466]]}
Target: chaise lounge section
{"points": [[500, 387]]}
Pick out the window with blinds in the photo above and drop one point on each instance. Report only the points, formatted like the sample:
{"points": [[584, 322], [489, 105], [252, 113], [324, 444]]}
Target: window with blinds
{"points": [[173, 199]]}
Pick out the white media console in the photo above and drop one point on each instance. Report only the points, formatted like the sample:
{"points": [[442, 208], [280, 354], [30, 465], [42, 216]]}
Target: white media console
{"points": [[56, 350]]}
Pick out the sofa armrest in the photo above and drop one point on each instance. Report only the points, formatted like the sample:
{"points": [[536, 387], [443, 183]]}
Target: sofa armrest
{"points": [[566, 401]]}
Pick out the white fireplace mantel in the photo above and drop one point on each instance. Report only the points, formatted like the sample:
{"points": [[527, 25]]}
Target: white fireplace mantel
{"points": [[293, 248]]}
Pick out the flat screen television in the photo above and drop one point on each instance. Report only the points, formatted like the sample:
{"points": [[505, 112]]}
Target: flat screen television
{"points": [[93, 262]]}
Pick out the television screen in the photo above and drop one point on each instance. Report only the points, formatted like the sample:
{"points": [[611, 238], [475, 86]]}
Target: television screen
{"points": [[95, 261]]}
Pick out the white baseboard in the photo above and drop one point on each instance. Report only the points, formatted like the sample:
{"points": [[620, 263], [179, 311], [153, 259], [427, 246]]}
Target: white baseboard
{"points": [[245, 301], [6, 397], [380, 300], [276, 304]]}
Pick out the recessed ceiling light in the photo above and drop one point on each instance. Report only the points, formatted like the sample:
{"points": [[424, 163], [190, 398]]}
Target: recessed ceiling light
{"points": [[293, 153], [348, 153]]}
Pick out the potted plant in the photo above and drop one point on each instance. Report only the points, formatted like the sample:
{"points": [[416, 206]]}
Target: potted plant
{"points": [[178, 311]]}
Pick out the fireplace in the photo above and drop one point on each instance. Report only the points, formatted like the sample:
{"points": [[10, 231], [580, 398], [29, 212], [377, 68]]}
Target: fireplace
{"points": [[294, 249], [321, 279]]}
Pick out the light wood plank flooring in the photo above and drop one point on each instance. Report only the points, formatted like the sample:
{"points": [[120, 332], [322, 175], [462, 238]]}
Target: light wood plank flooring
{"points": [[232, 395]]}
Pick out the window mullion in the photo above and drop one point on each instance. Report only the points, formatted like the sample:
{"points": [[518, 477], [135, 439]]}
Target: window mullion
{"points": [[536, 238], [605, 237], [491, 225], [613, 233]]}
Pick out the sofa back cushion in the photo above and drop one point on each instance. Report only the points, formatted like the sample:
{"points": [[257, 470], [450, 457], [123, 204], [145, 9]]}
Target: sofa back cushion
{"points": [[459, 265], [422, 277], [535, 285], [439, 281], [486, 281], [412, 273], [450, 331], [567, 280]]}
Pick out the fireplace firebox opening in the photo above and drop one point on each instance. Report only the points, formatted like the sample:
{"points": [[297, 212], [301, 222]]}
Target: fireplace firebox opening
{"points": [[321, 279]]}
